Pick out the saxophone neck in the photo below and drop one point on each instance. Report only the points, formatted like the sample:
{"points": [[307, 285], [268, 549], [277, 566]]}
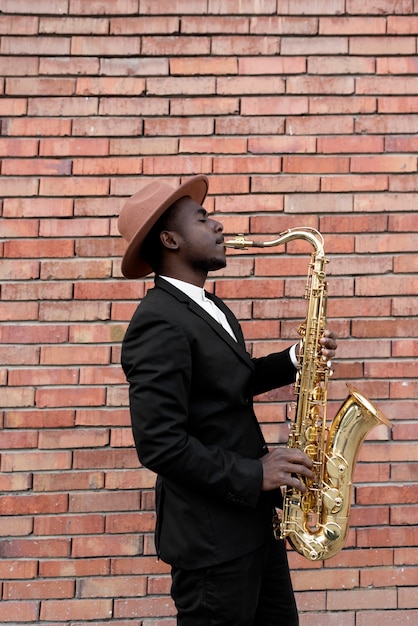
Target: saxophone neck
{"points": [[305, 232]]}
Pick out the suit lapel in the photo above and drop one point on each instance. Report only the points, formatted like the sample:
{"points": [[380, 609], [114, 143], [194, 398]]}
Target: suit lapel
{"points": [[239, 345], [233, 322]]}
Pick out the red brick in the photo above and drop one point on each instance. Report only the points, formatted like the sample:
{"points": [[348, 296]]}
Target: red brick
{"points": [[14, 569], [18, 65], [15, 526], [17, 397], [361, 599], [25, 86], [218, 145], [91, 417], [39, 249], [106, 501], [68, 525], [18, 482], [343, 144], [38, 589], [146, 607], [105, 375], [38, 548], [397, 65], [384, 163], [43, 167], [69, 397], [108, 127], [66, 355], [62, 106], [349, 183], [23, 610], [39, 419], [274, 105], [138, 565], [74, 147], [299, 164], [70, 610], [144, 25], [108, 545], [342, 25], [68, 481], [79, 438], [381, 46], [70, 25], [18, 147], [343, 105], [74, 567], [19, 270], [130, 479], [17, 25], [18, 355], [406, 556], [36, 45], [322, 7], [88, 86], [109, 166], [19, 187], [116, 586], [133, 106], [21, 439], [174, 46], [314, 46], [74, 269], [35, 461], [136, 66], [336, 65], [34, 334], [325, 579], [68, 65], [404, 515], [378, 7]]}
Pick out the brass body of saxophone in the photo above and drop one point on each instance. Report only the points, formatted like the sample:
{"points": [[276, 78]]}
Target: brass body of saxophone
{"points": [[316, 523]]}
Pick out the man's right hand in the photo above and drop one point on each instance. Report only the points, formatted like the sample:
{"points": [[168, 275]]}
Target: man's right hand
{"points": [[280, 467]]}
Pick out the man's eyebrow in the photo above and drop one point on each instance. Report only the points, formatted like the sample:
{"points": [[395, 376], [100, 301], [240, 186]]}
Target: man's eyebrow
{"points": [[202, 211]]}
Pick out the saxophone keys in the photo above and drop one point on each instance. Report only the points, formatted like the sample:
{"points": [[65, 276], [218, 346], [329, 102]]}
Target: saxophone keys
{"points": [[332, 500], [332, 531], [336, 466]]}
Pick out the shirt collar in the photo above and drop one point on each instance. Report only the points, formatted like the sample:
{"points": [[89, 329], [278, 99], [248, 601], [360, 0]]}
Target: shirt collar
{"points": [[193, 291]]}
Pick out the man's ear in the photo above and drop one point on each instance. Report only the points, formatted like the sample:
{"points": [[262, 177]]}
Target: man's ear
{"points": [[169, 239]]}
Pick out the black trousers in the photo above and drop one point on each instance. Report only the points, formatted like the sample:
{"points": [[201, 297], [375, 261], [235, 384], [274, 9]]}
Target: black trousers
{"points": [[253, 590]]}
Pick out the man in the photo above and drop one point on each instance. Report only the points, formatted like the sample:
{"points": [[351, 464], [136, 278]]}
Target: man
{"points": [[191, 385]]}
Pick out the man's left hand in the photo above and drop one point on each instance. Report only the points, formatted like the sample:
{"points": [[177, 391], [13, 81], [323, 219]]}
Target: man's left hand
{"points": [[329, 344]]}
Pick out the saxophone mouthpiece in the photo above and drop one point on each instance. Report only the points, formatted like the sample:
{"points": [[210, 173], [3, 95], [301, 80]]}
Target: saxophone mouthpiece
{"points": [[240, 243]]}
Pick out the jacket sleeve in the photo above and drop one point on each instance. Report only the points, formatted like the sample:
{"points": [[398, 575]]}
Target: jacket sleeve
{"points": [[157, 361], [272, 371]]}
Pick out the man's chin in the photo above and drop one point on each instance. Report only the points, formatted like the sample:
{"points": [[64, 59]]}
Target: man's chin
{"points": [[216, 264]]}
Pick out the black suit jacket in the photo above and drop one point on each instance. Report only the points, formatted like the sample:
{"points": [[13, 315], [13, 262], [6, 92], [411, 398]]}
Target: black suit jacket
{"points": [[191, 400]]}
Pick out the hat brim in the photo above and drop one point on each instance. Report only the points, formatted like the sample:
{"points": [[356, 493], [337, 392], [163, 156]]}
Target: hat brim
{"points": [[133, 266]]}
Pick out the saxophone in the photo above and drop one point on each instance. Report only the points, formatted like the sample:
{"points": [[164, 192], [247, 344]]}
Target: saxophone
{"points": [[316, 522]]}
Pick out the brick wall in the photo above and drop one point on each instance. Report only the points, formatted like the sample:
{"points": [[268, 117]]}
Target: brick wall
{"points": [[302, 113]]}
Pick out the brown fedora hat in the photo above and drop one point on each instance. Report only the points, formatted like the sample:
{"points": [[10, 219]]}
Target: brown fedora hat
{"points": [[142, 210]]}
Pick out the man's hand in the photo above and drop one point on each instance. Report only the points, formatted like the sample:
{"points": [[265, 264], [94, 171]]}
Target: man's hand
{"points": [[280, 466], [329, 344]]}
